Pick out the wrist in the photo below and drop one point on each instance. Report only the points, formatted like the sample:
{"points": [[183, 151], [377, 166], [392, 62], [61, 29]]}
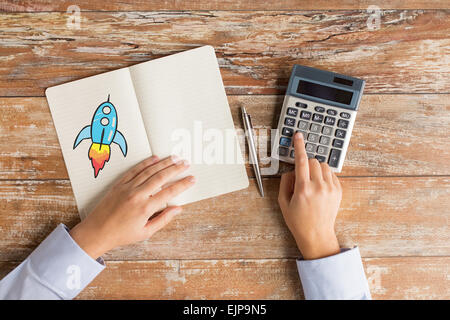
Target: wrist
{"points": [[88, 241], [318, 245]]}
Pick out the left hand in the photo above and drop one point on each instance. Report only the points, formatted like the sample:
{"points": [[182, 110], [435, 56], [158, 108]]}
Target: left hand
{"points": [[125, 214]]}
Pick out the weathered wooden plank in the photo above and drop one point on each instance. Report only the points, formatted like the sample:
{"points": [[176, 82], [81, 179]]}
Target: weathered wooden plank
{"points": [[393, 135], [256, 50], [149, 5], [389, 278], [384, 216]]}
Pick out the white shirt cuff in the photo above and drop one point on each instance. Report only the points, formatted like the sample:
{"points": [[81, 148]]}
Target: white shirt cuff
{"points": [[340, 276], [61, 265]]}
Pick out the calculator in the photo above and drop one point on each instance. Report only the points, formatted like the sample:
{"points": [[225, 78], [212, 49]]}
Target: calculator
{"points": [[322, 105]]}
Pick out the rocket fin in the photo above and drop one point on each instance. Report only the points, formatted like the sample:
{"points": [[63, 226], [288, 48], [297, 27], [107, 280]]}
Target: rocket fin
{"points": [[85, 133], [120, 140]]}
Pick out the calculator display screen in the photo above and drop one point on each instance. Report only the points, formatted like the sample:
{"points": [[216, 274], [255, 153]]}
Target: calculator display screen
{"points": [[324, 92]]}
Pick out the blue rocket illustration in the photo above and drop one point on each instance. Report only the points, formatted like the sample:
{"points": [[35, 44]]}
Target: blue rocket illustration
{"points": [[102, 131]]}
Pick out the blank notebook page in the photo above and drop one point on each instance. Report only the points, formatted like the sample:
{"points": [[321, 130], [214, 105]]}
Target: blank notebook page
{"points": [[185, 112]]}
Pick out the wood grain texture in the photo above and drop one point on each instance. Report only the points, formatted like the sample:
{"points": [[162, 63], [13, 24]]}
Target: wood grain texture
{"points": [[396, 176], [256, 50], [149, 5], [384, 216], [393, 135], [389, 278]]}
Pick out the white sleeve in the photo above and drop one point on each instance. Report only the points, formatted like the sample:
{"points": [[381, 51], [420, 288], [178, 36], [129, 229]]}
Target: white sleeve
{"points": [[57, 269], [340, 276]]}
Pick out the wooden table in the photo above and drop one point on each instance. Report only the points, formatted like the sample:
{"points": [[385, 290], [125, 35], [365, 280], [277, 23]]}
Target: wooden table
{"points": [[396, 177]]}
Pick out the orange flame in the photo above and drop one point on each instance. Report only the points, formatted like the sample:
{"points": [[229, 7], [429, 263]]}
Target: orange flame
{"points": [[98, 156]]}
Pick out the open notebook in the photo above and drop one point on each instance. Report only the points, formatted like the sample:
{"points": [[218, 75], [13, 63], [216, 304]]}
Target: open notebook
{"points": [[177, 104]]}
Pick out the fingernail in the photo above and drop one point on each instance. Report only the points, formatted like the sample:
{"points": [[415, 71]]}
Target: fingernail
{"points": [[192, 179], [182, 162], [177, 211], [174, 158], [152, 159], [298, 135]]}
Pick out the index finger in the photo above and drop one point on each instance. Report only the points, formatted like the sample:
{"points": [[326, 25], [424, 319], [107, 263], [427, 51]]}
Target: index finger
{"points": [[170, 192], [301, 159]]}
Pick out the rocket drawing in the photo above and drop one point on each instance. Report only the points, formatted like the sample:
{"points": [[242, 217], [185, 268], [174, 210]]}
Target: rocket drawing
{"points": [[102, 131]]}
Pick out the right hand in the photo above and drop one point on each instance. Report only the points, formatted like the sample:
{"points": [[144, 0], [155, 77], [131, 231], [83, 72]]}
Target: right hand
{"points": [[309, 199], [126, 213]]}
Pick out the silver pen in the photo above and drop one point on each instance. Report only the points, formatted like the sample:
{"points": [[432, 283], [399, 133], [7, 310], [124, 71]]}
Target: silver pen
{"points": [[248, 128]]}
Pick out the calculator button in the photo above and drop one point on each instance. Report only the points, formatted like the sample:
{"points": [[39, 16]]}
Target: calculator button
{"points": [[327, 131], [310, 147], [345, 115], [285, 142], [301, 105], [289, 122], [343, 124], [317, 118], [315, 128], [303, 125], [283, 151], [287, 132], [292, 112], [332, 112], [313, 137], [333, 161], [325, 140], [303, 133], [305, 115], [322, 150], [292, 154], [321, 158], [340, 133], [319, 109], [338, 143], [310, 155], [330, 120]]}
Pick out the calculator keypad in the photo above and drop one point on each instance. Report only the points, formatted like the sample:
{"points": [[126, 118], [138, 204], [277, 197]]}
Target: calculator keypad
{"points": [[324, 130]]}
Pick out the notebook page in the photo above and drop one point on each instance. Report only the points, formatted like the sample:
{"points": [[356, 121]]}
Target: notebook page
{"points": [[73, 106], [186, 112]]}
